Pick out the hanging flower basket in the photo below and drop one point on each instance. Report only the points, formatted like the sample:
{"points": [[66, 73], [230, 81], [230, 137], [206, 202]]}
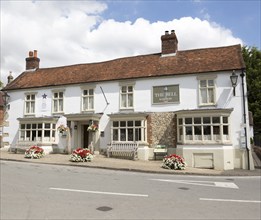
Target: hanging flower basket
{"points": [[93, 128], [81, 155], [34, 152], [174, 162], [63, 130]]}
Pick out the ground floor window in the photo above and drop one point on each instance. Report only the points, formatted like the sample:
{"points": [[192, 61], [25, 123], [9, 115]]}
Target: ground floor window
{"points": [[40, 132], [129, 130], [205, 128]]}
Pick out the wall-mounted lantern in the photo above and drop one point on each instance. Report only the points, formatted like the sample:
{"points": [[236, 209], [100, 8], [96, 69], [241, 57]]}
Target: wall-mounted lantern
{"points": [[6, 98], [233, 79]]}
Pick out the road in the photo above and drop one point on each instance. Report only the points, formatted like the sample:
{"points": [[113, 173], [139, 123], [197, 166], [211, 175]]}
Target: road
{"points": [[38, 191]]}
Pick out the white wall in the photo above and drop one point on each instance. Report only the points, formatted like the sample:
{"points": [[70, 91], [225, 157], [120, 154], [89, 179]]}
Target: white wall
{"points": [[188, 85]]}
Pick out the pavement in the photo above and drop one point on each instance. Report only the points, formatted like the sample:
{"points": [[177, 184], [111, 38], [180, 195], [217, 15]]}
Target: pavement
{"points": [[101, 161]]}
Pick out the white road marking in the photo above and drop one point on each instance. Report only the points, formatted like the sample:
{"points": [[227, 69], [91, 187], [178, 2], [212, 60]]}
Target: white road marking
{"points": [[99, 192], [202, 183], [229, 200]]}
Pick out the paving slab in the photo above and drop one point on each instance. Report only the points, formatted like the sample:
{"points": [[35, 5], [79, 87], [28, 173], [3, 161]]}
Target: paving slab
{"points": [[101, 161]]}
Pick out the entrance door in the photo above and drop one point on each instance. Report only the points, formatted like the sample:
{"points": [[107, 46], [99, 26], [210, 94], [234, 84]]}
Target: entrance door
{"points": [[85, 136]]}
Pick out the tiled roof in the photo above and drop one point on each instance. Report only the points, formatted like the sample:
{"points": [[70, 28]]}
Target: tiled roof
{"points": [[144, 66]]}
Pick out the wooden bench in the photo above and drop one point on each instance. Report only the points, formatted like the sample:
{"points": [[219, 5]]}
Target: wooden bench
{"points": [[160, 150], [123, 149]]}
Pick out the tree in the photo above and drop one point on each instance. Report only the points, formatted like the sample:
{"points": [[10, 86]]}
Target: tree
{"points": [[252, 58]]}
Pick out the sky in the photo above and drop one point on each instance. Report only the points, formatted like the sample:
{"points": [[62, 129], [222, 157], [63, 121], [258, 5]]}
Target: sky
{"points": [[74, 32]]}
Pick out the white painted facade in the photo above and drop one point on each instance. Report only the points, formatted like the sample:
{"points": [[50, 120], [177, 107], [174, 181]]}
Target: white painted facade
{"points": [[230, 155]]}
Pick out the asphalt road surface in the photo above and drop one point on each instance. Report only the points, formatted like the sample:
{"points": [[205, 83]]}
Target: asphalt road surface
{"points": [[38, 191]]}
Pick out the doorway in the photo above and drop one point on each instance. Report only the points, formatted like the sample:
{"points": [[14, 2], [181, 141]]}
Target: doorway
{"points": [[85, 136]]}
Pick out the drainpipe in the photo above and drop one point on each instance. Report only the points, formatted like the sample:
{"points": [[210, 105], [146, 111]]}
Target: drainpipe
{"points": [[244, 115]]}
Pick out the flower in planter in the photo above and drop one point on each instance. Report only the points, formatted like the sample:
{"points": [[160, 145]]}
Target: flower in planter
{"points": [[93, 127], [81, 155], [62, 129], [34, 152], [174, 162]]}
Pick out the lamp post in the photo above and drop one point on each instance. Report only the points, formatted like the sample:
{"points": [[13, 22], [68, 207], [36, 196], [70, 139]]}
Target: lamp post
{"points": [[233, 79], [244, 115], [5, 99]]}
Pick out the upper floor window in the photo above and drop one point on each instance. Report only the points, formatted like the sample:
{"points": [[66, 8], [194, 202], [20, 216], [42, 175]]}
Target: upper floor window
{"points": [[87, 99], [207, 91], [29, 104], [58, 101], [126, 97]]}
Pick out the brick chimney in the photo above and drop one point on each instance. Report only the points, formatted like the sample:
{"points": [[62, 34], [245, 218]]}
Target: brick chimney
{"points": [[169, 43], [32, 62], [10, 78]]}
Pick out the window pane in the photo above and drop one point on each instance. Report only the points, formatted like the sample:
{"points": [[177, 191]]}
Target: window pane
{"points": [[207, 130], [197, 130], [130, 134], [206, 120], [55, 95], [211, 82], [123, 123], [47, 125], [40, 125], [225, 129], [123, 101], [61, 94], [27, 108], [130, 88], [123, 89], [61, 105], [47, 133], [225, 119], [22, 126], [216, 120], [123, 134], [197, 120], [203, 83], [211, 95], [188, 130], [85, 92], [34, 126], [180, 121], [115, 124], [28, 126], [137, 123], [188, 120], [216, 130], [203, 95], [115, 135], [55, 106], [90, 102], [130, 101], [130, 123], [91, 92], [138, 134], [33, 97]]}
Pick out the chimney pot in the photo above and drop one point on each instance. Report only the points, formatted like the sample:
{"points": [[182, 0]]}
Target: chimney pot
{"points": [[166, 32], [172, 31], [35, 53], [31, 53]]}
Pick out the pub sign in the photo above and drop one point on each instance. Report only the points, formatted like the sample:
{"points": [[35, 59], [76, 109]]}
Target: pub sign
{"points": [[165, 94]]}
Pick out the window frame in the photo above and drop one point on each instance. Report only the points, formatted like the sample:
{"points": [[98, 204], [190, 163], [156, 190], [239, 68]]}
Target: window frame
{"points": [[31, 102], [122, 129], [58, 99], [207, 88], [37, 132], [88, 96], [127, 94], [209, 130]]}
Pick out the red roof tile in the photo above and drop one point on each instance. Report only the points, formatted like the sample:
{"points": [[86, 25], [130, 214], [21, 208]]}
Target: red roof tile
{"points": [[184, 62]]}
